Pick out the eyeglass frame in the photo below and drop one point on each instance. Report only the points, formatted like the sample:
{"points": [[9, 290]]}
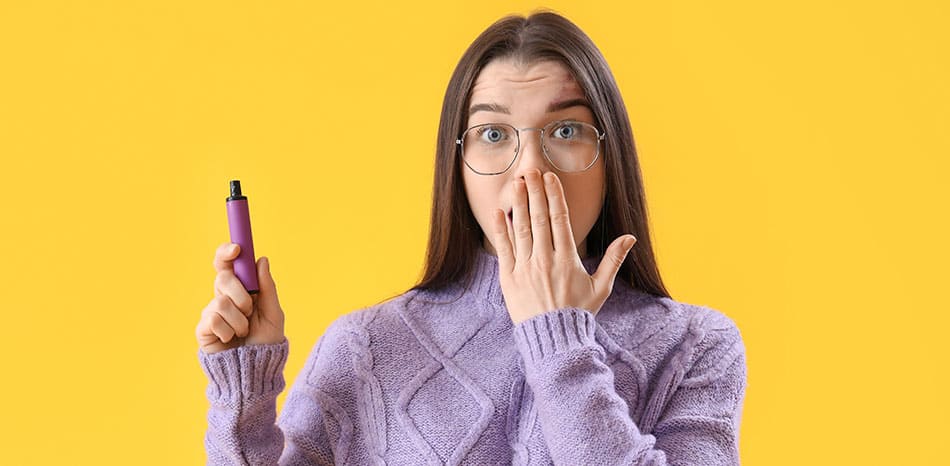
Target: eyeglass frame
{"points": [[544, 149]]}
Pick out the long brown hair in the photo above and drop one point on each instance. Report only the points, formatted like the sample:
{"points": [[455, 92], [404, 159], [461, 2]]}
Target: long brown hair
{"points": [[455, 236]]}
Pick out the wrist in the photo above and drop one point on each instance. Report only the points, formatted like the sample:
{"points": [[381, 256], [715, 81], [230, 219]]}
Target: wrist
{"points": [[562, 330]]}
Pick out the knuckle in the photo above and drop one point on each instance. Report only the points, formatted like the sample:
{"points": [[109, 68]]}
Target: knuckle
{"points": [[499, 228], [523, 230], [222, 275], [560, 218], [219, 303], [231, 307], [227, 307], [246, 303]]}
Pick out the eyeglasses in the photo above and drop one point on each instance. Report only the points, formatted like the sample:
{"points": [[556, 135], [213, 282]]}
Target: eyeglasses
{"points": [[569, 145]]}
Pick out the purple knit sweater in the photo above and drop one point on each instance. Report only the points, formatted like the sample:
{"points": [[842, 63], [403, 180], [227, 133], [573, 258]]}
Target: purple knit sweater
{"points": [[445, 378]]}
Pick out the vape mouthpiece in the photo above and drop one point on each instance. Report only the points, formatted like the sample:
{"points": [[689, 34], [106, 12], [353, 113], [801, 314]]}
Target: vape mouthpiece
{"points": [[235, 188]]}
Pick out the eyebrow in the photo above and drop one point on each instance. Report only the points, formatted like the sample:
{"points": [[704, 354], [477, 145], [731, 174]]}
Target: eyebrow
{"points": [[555, 106]]}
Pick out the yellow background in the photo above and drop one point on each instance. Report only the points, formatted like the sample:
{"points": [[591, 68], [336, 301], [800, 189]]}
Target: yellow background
{"points": [[794, 155]]}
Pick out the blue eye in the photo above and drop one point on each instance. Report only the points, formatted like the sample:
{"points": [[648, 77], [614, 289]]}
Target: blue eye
{"points": [[491, 134], [567, 131]]}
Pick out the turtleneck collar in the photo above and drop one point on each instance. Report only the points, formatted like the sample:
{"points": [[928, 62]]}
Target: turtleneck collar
{"points": [[485, 284]]}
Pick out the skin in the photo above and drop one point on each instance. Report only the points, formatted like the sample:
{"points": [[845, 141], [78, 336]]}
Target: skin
{"points": [[536, 219]]}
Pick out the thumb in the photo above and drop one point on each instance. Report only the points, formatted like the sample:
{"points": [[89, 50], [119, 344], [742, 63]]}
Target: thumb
{"points": [[613, 259], [267, 296]]}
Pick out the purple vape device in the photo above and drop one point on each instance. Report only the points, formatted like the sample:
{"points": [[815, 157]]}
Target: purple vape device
{"points": [[239, 222]]}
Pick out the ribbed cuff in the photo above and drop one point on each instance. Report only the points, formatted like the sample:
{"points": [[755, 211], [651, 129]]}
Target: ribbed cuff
{"points": [[554, 332], [245, 372]]}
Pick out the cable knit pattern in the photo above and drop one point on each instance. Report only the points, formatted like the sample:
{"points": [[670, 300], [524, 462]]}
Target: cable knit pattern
{"points": [[444, 377], [372, 412]]}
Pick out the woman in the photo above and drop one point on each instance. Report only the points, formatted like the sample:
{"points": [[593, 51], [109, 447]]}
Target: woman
{"points": [[529, 339]]}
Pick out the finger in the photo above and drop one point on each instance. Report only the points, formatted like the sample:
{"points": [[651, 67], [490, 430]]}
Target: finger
{"points": [[226, 312], [560, 217], [224, 320], [221, 329], [224, 256], [501, 240], [266, 298], [205, 334], [510, 230], [228, 284], [538, 206], [613, 258], [520, 222]]}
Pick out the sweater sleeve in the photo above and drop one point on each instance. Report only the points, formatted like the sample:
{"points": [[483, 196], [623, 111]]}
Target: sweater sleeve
{"points": [[585, 421], [243, 384], [243, 427]]}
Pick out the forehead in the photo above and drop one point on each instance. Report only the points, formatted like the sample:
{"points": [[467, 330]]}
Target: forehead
{"points": [[502, 80]]}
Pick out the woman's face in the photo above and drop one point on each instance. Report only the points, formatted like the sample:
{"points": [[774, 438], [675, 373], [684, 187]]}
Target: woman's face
{"points": [[527, 96]]}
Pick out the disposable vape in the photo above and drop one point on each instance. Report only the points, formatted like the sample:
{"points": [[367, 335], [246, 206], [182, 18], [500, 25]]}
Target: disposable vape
{"points": [[239, 222]]}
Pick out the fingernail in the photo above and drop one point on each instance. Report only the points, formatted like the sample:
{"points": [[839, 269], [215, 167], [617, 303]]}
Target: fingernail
{"points": [[628, 243], [233, 248]]}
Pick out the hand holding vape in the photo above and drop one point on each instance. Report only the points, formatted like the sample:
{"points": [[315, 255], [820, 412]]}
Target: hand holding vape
{"points": [[230, 320]]}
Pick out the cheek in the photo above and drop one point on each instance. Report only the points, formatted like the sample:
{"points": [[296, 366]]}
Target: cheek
{"points": [[584, 207], [482, 199], [585, 200]]}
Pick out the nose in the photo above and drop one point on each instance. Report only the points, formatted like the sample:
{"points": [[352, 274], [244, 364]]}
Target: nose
{"points": [[531, 155]]}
